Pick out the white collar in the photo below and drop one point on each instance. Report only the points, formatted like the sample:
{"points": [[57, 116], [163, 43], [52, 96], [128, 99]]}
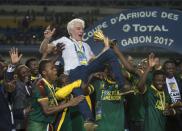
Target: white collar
{"points": [[75, 40]]}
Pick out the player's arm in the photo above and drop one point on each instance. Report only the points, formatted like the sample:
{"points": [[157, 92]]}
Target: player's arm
{"points": [[45, 45], [44, 102], [63, 92], [141, 85]]}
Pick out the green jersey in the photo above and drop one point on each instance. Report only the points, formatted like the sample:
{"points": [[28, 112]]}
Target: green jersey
{"points": [[155, 102], [73, 120], [135, 102], [109, 106], [40, 92], [76, 119]]}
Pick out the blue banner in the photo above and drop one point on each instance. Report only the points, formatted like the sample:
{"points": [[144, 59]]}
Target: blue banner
{"points": [[153, 27]]}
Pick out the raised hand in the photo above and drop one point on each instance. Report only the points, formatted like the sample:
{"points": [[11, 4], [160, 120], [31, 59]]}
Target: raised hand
{"points": [[169, 112], [113, 43], [60, 48], [48, 33], [15, 58], [106, 42], [151, 60]]}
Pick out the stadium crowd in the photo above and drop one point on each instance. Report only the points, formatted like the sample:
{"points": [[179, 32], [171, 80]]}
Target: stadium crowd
{"points": [[26, 27]]}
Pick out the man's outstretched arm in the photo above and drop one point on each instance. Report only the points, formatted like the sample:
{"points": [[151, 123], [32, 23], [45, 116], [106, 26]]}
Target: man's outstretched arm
{"points": [[45, 45]]}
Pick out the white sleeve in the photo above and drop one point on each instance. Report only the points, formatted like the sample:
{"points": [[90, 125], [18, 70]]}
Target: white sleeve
{"points": [[91, 54], [60, 40]]}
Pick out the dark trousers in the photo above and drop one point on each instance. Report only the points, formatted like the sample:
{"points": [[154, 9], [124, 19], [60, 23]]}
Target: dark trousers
{"points": [[174, 123], [83, 72], [136, 125]]}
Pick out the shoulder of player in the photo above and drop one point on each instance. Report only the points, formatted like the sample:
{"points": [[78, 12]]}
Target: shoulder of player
{"points": [[63, 39], [76, 83], [40, 85]]}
